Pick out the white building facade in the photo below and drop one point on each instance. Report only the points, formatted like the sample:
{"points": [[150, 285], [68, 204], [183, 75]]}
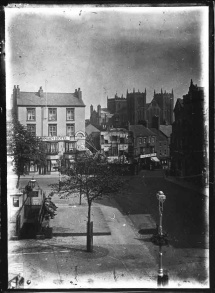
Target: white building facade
{"points": [[58, 118]]}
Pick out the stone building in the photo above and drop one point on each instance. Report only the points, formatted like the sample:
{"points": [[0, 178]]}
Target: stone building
{"points": [[136, 107], [58, 118], [188, 147]]}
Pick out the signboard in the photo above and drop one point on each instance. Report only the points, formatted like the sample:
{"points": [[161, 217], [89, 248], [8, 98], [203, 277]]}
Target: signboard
{"points": [[36, 201], [56, 138], [147, 155], [123, 147]]}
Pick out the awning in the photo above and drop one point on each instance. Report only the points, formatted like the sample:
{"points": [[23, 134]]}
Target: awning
{"points": [[155, 159]]}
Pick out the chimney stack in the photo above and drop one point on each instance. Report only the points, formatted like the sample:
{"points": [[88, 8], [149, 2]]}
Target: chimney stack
{"points": [[79, 94], [40, 92]]}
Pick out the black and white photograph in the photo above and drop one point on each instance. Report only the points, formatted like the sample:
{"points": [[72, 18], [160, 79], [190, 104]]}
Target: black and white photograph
{"points": [[107, 137]]}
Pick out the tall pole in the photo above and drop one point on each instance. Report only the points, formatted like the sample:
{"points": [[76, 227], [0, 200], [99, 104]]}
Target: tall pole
{"points": [[160, 270]]}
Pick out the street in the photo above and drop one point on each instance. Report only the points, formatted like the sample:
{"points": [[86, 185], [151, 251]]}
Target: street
{"points": [[185, 215], [126, 258]]}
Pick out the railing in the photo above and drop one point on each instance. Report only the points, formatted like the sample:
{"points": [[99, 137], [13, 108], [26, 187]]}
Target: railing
{"points": [[20, 217], [26, 210], [40, 215]]}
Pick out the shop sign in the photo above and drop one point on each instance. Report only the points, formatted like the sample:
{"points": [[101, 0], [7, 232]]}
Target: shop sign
{"points": [[147, 155], [56, 138]]}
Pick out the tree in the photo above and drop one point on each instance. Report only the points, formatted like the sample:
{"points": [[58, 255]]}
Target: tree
{"points": [[24, 148], [95, 179]]}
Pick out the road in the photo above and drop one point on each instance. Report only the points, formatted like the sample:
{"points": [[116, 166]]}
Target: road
{"points": [[185, 215]]}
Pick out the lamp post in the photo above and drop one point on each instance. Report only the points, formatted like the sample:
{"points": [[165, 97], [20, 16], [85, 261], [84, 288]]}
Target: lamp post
{"points": [[161, 198], [160, 239]]}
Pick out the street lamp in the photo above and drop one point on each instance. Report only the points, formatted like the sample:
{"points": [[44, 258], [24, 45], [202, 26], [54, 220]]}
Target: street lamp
{"points": [[161, 198], [32, 183], [160, 239]]}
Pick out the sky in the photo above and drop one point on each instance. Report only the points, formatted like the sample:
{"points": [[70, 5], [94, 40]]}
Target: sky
{"points": [[105, 50]]}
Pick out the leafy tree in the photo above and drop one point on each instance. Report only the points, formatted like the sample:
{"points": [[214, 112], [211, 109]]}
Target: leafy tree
{"points": [[24, 148], [94, 179]]}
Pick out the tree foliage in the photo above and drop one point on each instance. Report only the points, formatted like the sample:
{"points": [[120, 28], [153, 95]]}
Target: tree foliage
{"points": [[24, 147], [95, 178]]}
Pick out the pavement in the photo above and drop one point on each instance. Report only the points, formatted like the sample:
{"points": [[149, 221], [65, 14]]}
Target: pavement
{"points": [[123, 255], [118, 260], [181, 182]]}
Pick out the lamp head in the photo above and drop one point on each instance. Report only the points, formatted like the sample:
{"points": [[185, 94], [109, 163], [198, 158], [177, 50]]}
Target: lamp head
{"points": [[32, 183], [161, 196]]}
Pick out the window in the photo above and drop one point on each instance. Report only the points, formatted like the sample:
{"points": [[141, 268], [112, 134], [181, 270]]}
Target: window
{"points": [[160, 152], [31, 114], [31, 128], [149, 139], [122, 140], [140, 140], [52, 165], [52, 147], [153, 139], [70, 114], [69, 146], [160, 144], [164, 152], [52, 114], [144, 140], [52, 129], [70, 129], [16, 202]]}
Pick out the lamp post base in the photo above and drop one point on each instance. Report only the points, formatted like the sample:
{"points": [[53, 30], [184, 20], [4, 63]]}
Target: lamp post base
{"points": [[162, 280]]}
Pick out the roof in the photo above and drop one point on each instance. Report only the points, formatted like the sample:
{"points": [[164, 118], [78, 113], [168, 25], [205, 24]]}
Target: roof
{"points": [[90, 128], [53, 99], [179, 103], [159, 133], [166, 129], [140, 130]]}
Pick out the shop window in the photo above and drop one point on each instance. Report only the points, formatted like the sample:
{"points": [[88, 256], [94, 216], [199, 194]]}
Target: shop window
{"points": [[32, 167], [52, 129], [70, 114], [70, 129], [31, 114], [52, 165], [52, 114], [69, 146], [52, 147], [31, 128]]}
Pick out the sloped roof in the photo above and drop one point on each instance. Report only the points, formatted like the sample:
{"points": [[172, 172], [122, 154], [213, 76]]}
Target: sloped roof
{"points": [[53, 99], [151, 104], [90, 129], [166, 129], [160, 135], [179, 103], [140, 130]]}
